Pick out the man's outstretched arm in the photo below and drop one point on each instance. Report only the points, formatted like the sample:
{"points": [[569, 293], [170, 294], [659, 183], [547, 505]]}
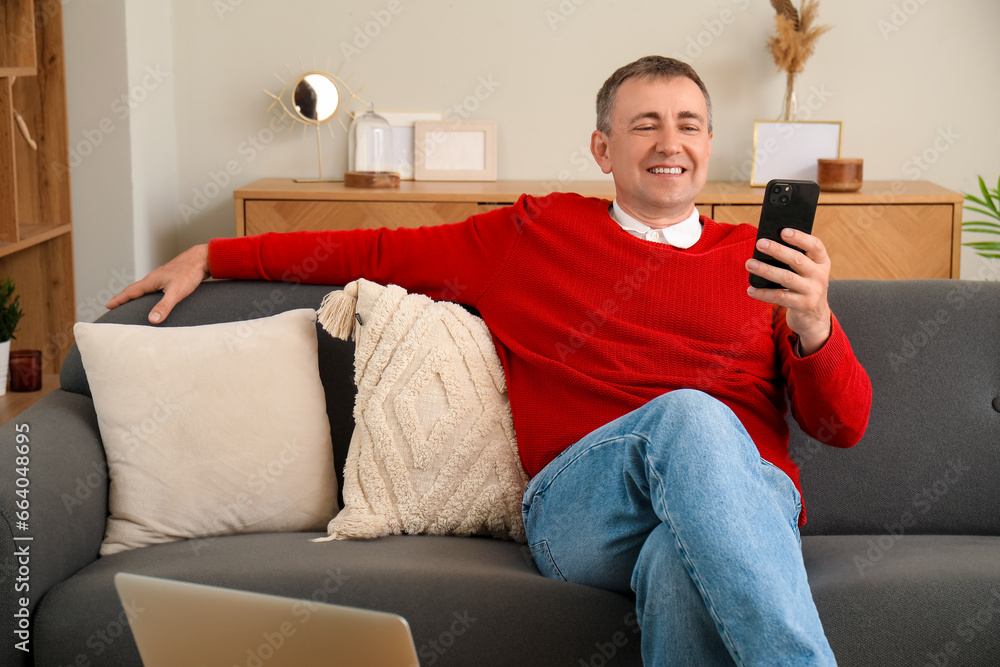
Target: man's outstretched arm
{"points": [[454, 262]]}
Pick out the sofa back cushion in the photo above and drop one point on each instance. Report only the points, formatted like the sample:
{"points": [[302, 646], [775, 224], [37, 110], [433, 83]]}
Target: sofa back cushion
{"points": [[928, 464], [930, 460]]}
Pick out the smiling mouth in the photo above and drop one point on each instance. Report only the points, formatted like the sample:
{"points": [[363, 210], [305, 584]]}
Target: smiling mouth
{"points": [[666, 170]]}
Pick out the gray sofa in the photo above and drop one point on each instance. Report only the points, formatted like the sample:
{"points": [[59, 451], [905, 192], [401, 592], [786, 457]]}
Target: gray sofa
{"points": [[902, 544]]}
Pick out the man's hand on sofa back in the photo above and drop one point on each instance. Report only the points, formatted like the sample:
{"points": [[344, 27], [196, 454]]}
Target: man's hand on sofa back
{"points": [[177, 278]]}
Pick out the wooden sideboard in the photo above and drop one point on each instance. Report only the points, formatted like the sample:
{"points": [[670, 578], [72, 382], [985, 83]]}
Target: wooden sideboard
{"points": [[887, 230]]}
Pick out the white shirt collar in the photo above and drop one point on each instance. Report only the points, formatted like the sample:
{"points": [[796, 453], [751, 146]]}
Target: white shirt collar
{"points": [[683, 234]]}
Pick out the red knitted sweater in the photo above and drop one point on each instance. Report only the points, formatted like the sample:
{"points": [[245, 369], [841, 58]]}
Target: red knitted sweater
{"points": [[591, 322]]}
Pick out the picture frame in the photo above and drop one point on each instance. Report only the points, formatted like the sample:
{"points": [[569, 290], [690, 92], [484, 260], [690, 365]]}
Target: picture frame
{"points": [[402, 137], [785, 149], [455, 150]]}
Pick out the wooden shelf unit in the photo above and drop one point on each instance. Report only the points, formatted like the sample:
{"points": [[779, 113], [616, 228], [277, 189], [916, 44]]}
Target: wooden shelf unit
{"points": [[17, 48], [887, 230], [36, 230]]}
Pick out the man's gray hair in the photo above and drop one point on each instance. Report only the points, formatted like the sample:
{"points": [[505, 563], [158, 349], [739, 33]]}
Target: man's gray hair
{"points": [[649, 68]]}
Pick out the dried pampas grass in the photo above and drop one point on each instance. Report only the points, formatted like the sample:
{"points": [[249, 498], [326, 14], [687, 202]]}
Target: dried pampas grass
{"points": [[787, 9], [794, 41]]}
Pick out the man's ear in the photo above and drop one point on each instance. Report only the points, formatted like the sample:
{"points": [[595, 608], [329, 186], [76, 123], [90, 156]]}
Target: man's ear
{"points": [[600, 149]]}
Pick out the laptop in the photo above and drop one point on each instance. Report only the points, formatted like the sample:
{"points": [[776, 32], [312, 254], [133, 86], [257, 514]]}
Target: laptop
{"points": [[177, 623]]}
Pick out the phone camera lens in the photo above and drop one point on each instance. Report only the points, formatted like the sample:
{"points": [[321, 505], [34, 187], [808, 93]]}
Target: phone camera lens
{"points": [[776, 189], [783, 199]]}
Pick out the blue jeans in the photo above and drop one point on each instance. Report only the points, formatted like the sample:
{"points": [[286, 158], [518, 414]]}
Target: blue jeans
{"points": [[673, 501]]}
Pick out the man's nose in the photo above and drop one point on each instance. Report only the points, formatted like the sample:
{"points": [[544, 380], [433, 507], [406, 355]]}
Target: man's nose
{"points": [[668, 141]]}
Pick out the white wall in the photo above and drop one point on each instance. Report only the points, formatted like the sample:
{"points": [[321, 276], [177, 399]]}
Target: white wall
{"points": [[900, 74], [152, 124], [100, 155]]}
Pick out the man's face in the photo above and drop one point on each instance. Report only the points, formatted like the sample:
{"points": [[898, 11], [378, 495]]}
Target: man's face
{"points": [[658, 148]]}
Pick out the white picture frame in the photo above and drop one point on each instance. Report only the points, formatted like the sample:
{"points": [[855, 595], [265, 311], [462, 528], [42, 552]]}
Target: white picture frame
{"points": [[455, 150], [402, 137], [790, 149]]}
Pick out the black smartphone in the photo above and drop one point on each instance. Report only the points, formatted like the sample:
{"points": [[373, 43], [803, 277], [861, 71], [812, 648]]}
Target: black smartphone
{"points": [[787, 203]]}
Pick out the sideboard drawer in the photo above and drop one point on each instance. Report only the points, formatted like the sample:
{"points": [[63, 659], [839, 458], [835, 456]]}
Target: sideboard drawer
{"points": [[285, 215], [876, 242]]}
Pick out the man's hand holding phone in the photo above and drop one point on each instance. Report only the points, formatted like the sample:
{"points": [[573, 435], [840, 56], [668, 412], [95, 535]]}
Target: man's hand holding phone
{"points": [[803, 285], [790, 267]]}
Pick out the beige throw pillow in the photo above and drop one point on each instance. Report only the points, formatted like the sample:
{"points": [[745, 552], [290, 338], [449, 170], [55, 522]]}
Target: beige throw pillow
{"points": [[211, 430], [433, 449]]}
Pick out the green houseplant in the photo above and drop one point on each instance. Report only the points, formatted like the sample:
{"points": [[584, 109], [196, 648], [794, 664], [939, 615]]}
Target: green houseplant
{"points": [[10, 315], [10, 311], [989, 206]]}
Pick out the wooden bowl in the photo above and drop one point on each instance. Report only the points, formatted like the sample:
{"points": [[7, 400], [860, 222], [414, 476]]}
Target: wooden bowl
{"points": [[840, 175], [371, 179]]}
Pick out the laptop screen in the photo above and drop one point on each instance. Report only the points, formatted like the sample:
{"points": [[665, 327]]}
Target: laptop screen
{"points": [[179, 623]]}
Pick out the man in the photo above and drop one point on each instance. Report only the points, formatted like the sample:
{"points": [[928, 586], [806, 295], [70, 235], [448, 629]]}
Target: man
{"points": [[646, 380]]}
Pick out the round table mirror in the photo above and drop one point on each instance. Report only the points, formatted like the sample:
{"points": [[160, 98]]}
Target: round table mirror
{"points": [[313, 99], [316, 98]]}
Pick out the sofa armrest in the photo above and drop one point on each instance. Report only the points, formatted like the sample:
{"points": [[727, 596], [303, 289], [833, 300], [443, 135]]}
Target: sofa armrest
{"points": [[67, 494]]}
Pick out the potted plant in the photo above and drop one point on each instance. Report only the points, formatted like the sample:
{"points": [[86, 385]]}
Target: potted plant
{"points": [[989, 206], [10, 315]]}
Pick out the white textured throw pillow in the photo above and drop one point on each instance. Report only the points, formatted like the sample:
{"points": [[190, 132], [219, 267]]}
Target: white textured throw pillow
{"points": [[211, 430], [433, 449]]}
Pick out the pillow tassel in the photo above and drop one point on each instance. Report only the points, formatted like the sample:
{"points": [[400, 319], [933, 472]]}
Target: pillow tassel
{"points": [[336, 313], [357, 527]]}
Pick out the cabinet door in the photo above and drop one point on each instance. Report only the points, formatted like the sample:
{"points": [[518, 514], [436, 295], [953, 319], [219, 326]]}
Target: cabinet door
{"points": [[875, 242], [292, 216]]}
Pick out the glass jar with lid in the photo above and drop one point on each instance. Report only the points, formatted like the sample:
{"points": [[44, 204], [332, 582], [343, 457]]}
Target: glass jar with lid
{"points": [[370, 143]]}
